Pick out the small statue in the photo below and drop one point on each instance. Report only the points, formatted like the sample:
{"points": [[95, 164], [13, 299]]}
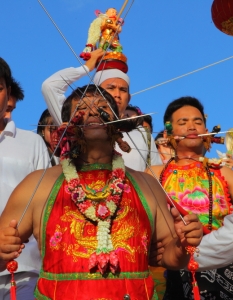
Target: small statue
{"points": [[103, 33]]}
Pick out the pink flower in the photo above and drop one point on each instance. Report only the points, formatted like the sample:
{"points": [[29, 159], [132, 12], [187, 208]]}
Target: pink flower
{"points": [[114, 198], [114, 262], [195, 201], [118, 173], [127, 188], [181, 180], [221, 201], [84, 206], [102, 211], [74, 183], [92, 261], [53, 242], [58, 236], [78, 195], [103, 259]]}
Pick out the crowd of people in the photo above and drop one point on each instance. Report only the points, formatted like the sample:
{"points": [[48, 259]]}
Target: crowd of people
{"points": [[98, 223]]}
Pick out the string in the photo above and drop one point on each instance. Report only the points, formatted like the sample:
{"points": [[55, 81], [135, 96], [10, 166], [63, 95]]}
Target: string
{"points": [[181, 76]]}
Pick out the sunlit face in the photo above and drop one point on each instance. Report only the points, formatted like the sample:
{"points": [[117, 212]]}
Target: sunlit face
{"points": [[93, 124], [119, 90], [130, 113], [11, 105], [188, 122], [4, 95], [48, 130], [147, 125]]}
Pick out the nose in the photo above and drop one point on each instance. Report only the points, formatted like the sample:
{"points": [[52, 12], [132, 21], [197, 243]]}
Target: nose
{"points": [[93, 110], [192, 126], [116, 93]]}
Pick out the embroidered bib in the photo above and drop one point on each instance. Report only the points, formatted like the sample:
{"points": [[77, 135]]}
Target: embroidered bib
{"points": [[69, 239]]}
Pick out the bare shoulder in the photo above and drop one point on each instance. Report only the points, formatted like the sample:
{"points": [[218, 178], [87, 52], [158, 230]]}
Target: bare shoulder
{"points": [[155, 170], [150, 188], [227, 173], [37, 183]]}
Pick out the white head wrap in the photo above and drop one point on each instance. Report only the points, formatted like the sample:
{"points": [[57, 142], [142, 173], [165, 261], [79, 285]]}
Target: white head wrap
{"points": [[101, 76]]}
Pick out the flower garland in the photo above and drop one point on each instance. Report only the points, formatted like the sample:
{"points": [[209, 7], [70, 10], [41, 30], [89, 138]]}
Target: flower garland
{"points": [[99, 211]]}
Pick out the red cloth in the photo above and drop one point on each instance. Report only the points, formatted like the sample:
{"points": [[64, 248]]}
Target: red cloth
{"points": [[69, 240]]}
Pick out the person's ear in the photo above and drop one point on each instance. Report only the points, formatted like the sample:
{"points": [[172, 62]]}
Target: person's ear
{"points": [[129, 98]]}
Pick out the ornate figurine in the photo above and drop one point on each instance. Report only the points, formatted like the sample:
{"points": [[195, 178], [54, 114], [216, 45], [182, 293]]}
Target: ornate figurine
{"points": [[104, 33]]}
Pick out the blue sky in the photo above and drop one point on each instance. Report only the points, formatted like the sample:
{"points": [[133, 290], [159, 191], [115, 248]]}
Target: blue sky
{"points": [[162, 39]]}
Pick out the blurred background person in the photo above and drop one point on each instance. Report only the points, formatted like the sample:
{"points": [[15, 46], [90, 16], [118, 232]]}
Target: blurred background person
{"points": [[44, 129], [165, 150], [146, 143]]}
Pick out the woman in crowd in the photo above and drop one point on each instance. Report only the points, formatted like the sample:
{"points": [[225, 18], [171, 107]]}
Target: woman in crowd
{"points": [[44, 129]]}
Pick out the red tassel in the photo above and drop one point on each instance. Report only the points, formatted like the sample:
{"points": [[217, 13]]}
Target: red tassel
{"points": [[192, 267], [196, 292], [13, 287], [12, 266]]}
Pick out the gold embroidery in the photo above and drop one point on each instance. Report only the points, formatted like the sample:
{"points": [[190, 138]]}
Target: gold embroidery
{"points": [[100, 175], [125, 226], [97, 191]]}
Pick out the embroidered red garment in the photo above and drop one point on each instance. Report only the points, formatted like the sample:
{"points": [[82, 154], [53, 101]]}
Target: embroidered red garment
{"points": [[69, 239]]}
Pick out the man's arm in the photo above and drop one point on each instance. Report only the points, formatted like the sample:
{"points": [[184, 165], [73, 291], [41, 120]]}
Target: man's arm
{"points": [[173, 235], [11, 238], [216, 248], [54, 88]]}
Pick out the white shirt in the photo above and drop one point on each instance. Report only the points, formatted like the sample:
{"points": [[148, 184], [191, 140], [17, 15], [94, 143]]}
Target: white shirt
{"points": [[216, 248], [21, 152], [134, 159], [54, 89]]}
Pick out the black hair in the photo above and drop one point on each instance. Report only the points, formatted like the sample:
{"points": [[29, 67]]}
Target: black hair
{"points": [[43, 121], [181, 102], [158, 136], [134, 108], [137, 110], [5, 72], [16, 90], [90, 90], [148, 119]]}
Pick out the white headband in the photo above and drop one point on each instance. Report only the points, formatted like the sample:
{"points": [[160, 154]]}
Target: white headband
{"points": [[101, 76]]}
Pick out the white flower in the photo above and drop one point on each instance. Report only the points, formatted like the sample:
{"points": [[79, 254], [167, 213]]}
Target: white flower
{"points": [[69, 170], [90, 213]]}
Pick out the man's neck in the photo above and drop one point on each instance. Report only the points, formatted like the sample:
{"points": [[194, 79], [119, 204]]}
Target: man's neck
{"points": [[187, 157], [96, 153]]}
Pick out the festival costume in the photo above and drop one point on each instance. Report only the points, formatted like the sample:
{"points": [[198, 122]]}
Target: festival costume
{"points": [[69, 239], [189, 187]]}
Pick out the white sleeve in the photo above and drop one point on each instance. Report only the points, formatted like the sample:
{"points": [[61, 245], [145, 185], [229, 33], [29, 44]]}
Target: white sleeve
{"points": [[216, 248], [54, 88], [154, 154]]}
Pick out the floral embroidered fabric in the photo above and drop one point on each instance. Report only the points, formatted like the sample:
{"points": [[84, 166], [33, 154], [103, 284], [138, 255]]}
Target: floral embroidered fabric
{"points": [[188, 186]]}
